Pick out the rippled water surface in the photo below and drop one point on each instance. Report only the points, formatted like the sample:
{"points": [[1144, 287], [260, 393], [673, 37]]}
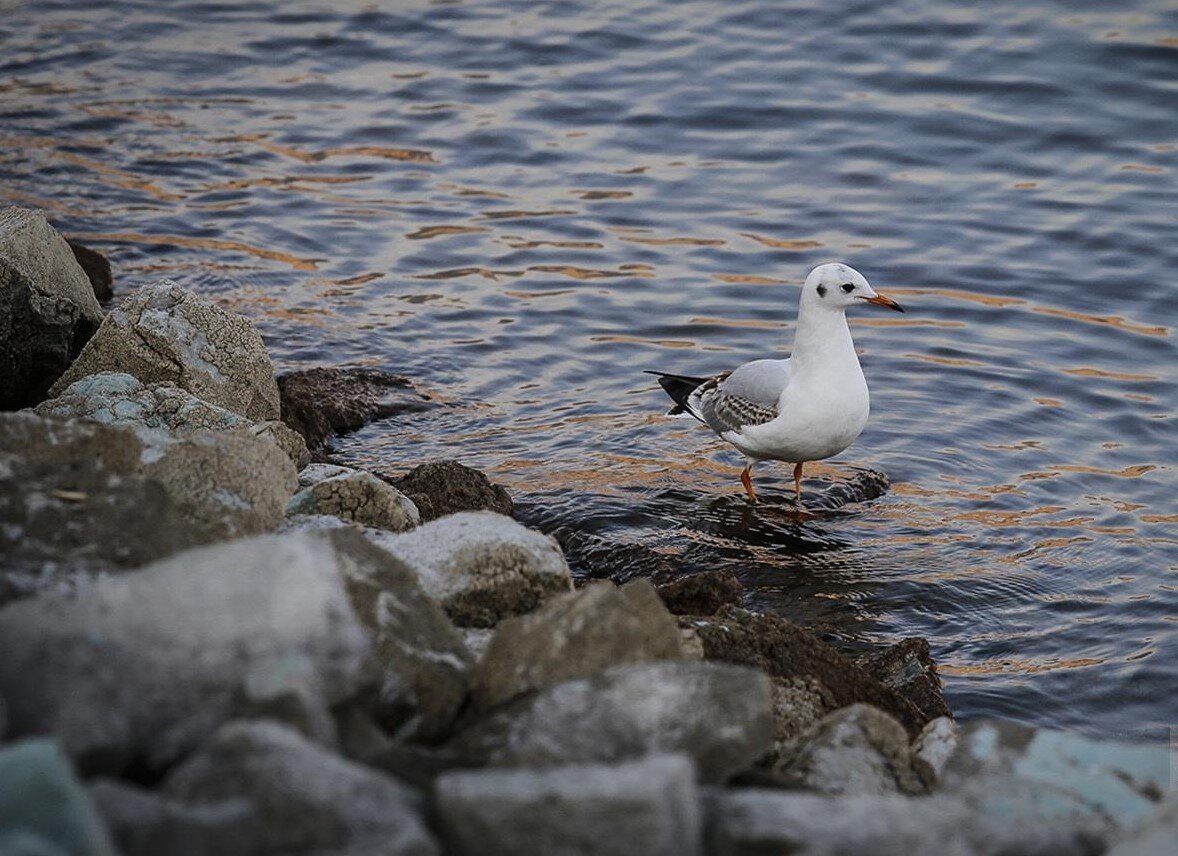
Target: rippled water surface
{"points": [[522, 205]]}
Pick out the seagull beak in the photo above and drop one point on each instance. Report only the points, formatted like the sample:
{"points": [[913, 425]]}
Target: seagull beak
{"points": [[887, 302]]}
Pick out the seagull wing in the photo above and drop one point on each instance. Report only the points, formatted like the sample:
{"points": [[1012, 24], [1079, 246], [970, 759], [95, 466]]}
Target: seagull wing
{"points": [[748, 395]]}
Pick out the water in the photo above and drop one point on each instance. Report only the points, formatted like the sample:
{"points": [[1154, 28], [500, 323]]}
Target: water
{"points": [[522, 205]]}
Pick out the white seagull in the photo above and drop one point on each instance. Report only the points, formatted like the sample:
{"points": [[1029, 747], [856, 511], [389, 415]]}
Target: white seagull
{"points": [[806, 408]]}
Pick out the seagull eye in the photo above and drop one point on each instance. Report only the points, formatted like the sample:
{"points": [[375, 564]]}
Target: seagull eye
{"points": [[847, 288]]}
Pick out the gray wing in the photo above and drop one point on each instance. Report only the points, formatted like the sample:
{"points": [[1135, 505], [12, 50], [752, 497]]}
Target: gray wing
{"points": [[746, 396]]}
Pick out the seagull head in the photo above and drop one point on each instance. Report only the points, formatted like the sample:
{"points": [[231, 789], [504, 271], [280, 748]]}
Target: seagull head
{"points": [[838, 286]]}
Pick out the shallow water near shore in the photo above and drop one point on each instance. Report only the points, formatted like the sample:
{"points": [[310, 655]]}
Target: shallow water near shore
{"points": [[521, 206]]}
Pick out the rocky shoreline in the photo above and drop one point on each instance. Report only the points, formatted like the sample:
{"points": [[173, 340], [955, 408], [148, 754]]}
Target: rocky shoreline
{"points": [[217, 640]]}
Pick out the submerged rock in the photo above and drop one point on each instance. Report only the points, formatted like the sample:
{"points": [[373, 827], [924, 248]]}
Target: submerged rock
{"points": [[320, 402], [439, 488], [647, 807], [164, 333], [482, 567], [96, 266], [146, 665], [702, 593], [307, 800], [718, 714], [353, 495], [47, 308]]}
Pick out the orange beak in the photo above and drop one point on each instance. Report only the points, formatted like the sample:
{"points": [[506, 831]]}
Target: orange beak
{"points": [[887, 302]]}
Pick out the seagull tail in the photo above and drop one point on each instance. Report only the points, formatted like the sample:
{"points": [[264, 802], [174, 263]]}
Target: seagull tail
{"points": [[680, 388]]}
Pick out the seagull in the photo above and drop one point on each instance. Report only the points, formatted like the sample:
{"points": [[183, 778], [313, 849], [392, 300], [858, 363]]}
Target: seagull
{"points": [[805, 408]]}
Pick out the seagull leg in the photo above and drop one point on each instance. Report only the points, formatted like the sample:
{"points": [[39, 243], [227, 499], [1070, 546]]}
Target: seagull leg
{"points": [[798, 480], [747, 481]]}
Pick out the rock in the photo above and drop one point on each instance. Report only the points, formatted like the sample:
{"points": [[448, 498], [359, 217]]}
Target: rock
{"points": [[785, 650], [597, 558], [702, 593], [798, 705], [908, 668], [97, 269], [421, 663], [40, 795], [863, 486], [144, 823], [47, 308], [718, 714], [419, 766], [439, 488], [352, 495], [320, 402], [290, 442], [146, 665], [572, 636], [477, 639], [933, 747], [751, 822], [482, 567], [1155, 836], [164, 333], [286, 688], [21, 842], [856, 750], [649, 807], [308, 801], [1121, 781]]}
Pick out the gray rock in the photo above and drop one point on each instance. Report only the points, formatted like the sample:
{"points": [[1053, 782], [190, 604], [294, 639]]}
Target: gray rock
{"points": [[145, 823], [477, 639], [21, 842], [718, 714], [286, 689], [353, 495], [573, 636], [754, 822], [798, 705], [286, 439], [146, 665], [1155, 836], [164, 333], [41, 796], [421, 663], [308, 800], [482, 567], [934, 745], [47, 308], [649, 807], [1122, 781], [858, 749]]}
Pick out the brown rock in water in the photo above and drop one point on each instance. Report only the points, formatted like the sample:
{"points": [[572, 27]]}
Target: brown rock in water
{"points": [[785, 650], [908, 667], [325, 401], [439, 488], [97, 269], [703, 593]]}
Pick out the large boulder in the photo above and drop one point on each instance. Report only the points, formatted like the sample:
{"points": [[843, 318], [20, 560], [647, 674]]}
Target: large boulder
{"points": [[321, 402], [649, 806], [307, 800], [718, 714], [573, 636], [164, 333], [146, 665], [439, 488], [47, 308], [40, 796], [353, 495], [482, 567]]}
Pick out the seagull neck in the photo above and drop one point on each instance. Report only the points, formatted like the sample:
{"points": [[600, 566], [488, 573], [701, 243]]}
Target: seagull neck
{"points": [[822, 342]]}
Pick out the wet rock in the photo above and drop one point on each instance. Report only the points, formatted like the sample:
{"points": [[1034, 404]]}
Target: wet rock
{"points": [[752, 822], [352, 495], [421, 664], [145, 823], [648, 807], [47, 308], [702, 593], [1121, 781], [164, 333], [41, 797], [482, 567], [1155, 836], [573, 636], [318, 403], [933, 747], [286, 688], [908, 668], [858, 749], [630, 711], [307, 800], [148, 664], [96, 266], [863, 486], [447, 487], [785, 650]]}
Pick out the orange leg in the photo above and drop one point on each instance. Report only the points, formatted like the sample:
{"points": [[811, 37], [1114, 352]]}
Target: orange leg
{"points": [[747, 481], [798, 479]]}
